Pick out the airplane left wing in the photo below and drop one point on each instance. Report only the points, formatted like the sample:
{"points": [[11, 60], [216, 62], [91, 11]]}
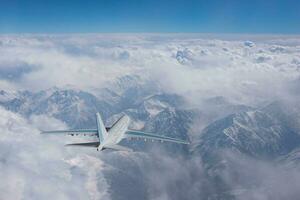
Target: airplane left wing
{"points": [[86, 144], [140, 134], [117, 147], [74, 132]]}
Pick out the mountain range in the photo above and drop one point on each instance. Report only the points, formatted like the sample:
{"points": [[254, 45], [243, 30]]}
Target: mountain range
{"points": [[219, 131]]}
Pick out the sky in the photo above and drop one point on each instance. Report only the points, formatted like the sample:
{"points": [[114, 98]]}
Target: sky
{"points": [[213, 16]]}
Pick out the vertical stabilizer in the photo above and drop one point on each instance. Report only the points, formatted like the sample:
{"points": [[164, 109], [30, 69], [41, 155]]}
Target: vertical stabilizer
{"points": [[102, 133]]}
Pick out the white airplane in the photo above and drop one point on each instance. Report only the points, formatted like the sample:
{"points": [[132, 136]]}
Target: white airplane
{"points": [[109, 137]]}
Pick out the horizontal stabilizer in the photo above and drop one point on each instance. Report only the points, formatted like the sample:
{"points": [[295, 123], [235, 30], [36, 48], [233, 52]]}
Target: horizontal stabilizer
{"points": [[117, 147], [87, 144]]}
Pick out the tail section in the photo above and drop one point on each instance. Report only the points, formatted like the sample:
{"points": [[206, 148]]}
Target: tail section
{"points": [[102, 133]]}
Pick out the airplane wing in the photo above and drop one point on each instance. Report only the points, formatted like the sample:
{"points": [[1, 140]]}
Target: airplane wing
{"points": [[87, 144], [73, 132], [140, 134], [117, 147]]}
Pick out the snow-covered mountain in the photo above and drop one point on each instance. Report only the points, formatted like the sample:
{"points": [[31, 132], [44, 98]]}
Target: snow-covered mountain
{"points": [[265, 133], [75, 108], [127, 95], [258, 133]]}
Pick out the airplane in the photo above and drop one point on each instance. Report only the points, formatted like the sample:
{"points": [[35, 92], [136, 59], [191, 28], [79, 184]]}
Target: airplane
{"points": [[110, 137]]}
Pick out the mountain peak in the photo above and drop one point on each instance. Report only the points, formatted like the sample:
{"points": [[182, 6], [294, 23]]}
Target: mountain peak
{"points": [[255, 133]]}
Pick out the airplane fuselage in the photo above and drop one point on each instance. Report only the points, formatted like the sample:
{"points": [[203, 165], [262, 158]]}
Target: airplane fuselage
{"points": [[116, 133]]}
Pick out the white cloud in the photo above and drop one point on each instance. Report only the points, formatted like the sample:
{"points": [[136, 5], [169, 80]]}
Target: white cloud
{"points": [[217, 67], [249, 178], [36, 167], [40, 168]]}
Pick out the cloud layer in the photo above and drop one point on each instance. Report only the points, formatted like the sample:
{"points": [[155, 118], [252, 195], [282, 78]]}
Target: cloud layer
{"points": [[32, 167], [249, 70], [189, 65]]}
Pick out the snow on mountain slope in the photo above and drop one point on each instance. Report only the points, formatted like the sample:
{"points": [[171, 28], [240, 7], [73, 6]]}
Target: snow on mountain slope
{"points": [[291, 160], [76, 108], [254, 133], [258, 133]]}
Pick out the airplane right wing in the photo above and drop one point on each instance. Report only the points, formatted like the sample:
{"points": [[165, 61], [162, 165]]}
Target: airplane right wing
{"points": [[74, 132], [140, 134]]}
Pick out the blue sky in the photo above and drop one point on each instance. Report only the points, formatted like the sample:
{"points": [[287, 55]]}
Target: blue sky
{"points": [[210, 16]]}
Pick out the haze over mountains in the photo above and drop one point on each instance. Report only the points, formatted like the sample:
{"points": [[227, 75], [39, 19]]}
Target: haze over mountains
{"points": [[236, 100]]}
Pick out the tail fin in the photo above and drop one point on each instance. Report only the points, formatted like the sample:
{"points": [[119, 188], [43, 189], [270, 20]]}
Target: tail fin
{"points": [[102, 133]]}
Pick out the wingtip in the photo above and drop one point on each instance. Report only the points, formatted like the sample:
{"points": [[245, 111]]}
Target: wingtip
{"points": [[69, 145], [186, 142], [45, 132]]}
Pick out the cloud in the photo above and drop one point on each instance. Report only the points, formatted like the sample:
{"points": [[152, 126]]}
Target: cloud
{"points": [[217, 66], [15, 70], [36, 167], [176, 178], [228, 73], [193, 67], [249, 178], [56, 66]]}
